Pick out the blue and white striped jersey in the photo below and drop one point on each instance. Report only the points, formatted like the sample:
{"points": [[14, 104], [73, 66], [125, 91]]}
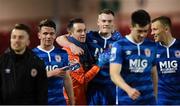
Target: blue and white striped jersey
{"points": [[137, 61], [55, 58], [168, 65]]}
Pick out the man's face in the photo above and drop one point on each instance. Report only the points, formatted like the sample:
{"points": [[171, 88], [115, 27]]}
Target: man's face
{"points": [[105, 23], [158, 30], [19, 40], [79, 32], [47, 36], [139, 33]]}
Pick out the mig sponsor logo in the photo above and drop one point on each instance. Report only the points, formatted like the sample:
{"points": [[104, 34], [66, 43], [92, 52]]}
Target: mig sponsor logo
{"points": [[51, 67], [168, 66], [97, 51], [138, 65]]}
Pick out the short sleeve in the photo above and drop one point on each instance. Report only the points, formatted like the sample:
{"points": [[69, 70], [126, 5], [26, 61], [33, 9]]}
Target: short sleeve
{"points": [[116, 53]]}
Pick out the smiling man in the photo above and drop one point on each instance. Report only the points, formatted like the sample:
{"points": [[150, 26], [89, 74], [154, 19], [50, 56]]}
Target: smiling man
{"points": [[87, 71], [132, 64], [168, 61], [99, 42], [55, 60]]}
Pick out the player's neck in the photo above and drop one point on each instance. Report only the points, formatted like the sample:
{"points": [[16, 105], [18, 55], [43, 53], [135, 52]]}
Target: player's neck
{"points": [[47, 48], [135, 40], [105, 35], [168, 39]]}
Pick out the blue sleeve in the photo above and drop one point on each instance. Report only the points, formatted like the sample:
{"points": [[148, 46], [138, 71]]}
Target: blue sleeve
{"points": [[117, 35], [116, 53], [66, 60]]}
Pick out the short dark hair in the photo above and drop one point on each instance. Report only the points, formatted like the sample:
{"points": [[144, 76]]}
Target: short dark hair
{"points": [[73, 21], [23, 27], [47, 23], [106, 11], [140, 17], [166, 21]]}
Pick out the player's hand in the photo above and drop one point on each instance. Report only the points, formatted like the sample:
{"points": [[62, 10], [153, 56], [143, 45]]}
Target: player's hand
{"points": [[76, 50], [59, 72], [133, 93]]}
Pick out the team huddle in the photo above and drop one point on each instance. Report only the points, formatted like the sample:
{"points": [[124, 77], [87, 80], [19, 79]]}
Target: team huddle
{"points": [[95, 67]]}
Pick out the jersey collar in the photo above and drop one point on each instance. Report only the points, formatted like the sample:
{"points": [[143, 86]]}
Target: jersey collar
{"points": [[47, 51], [173, 41], [131, 40]]}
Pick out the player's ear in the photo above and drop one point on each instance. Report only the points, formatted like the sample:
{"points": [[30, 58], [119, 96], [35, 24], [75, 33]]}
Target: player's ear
{"points": [[167, 28], [98, 22], [130, 26], [70, 31], [39, 35], [28, 42]]}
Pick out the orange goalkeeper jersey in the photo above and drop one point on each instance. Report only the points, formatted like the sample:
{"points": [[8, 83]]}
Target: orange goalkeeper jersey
{"points": [[80, 78]]}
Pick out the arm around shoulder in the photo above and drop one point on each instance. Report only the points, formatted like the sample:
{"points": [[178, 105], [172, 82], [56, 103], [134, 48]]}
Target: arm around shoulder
{"points": [[63, 41]]}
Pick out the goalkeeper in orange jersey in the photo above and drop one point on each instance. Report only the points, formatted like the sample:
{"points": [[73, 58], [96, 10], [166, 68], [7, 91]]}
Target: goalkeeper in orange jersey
{"points": [[87, 71]]}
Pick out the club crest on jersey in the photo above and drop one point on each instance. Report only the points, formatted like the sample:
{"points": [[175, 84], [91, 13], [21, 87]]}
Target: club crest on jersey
{"points": [[177, 53], [128, 52], [94, 41], [33, 72], [58, 58], [147, 52], [7, 71]]}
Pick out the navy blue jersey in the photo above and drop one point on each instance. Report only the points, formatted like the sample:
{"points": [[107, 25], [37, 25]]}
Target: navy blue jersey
{"points": [[168, 65], [55, 58], [98, 44], [99, 87], [137, 61]]}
